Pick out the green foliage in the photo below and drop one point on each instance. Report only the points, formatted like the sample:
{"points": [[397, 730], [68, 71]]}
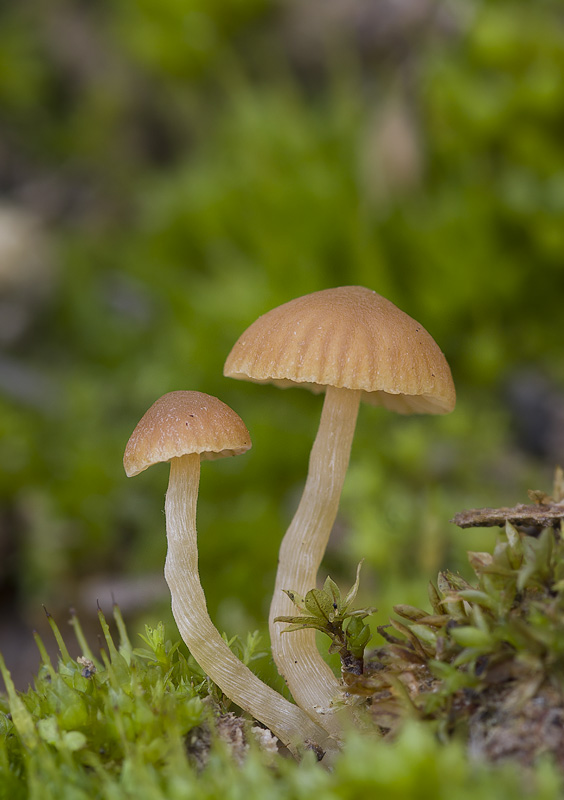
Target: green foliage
{"points": [[495, 644], [326, 611], [127, 725], [98, 715]]}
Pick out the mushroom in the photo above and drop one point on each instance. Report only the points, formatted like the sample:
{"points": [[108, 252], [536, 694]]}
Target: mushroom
{"points": [[184, 427], [355, 345]]}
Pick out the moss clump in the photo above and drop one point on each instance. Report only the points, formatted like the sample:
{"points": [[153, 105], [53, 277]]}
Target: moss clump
{"points": [[104, 715], [481, 674], [136, 725], [488, 660]]}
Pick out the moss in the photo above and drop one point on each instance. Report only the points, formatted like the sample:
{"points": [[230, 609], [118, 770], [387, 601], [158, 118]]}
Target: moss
{"points": [[487, 661], [475, 679]]}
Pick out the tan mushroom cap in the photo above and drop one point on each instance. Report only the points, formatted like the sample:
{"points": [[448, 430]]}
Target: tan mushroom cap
{"points": [[352, 338], [180, 423]]}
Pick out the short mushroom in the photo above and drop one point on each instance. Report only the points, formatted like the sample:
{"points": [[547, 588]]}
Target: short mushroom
{"points": [[182, 428], [355, 345]]}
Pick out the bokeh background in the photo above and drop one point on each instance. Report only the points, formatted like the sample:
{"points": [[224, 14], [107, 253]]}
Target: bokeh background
{"points": [[169, 171]]}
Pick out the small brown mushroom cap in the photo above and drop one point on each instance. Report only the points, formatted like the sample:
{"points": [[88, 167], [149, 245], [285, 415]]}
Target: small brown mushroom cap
{"points": [[180, 423], [349, 337]]}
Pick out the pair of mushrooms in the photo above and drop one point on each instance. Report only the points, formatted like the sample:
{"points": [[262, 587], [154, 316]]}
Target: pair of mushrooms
{"points": [[353, 344]]}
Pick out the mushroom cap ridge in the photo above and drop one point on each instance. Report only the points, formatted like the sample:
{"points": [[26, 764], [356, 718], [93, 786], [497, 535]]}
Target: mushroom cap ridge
{"points": [[348, 337], [183, 422]]}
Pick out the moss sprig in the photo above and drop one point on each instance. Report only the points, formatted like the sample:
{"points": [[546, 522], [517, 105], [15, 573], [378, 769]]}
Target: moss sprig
{"points": [[327, 611]]}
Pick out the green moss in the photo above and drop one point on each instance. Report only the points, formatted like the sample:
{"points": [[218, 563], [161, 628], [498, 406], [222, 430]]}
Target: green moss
{"points": [[93, 713], [129, 728], [477, 679], [487, 661]]}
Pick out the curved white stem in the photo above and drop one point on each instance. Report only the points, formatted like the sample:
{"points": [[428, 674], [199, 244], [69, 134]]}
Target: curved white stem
{"points": [[311, 681], [292, 726]]}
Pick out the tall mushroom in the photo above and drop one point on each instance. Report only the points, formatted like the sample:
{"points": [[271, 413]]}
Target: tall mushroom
{"points": [[183, 428], [355, 345]]}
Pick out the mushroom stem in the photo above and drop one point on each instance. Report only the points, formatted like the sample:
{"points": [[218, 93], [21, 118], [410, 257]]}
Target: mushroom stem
{"points": [[292, 726], [309, 678]]}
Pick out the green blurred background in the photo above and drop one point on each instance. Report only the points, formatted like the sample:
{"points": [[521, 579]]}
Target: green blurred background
{"points": [[169, 171]]}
